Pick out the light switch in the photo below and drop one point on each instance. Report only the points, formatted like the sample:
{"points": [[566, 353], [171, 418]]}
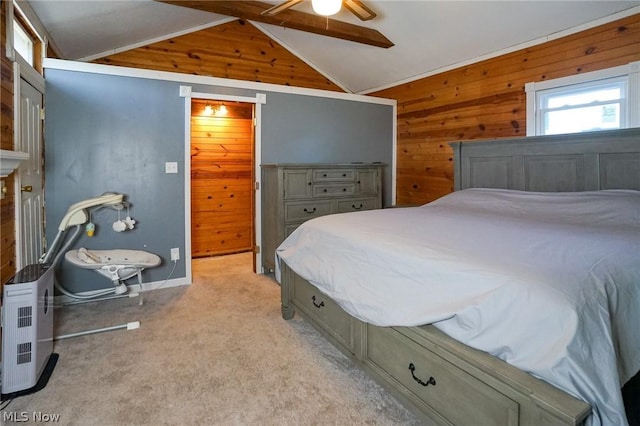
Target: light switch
{"points": [[171, 167]]}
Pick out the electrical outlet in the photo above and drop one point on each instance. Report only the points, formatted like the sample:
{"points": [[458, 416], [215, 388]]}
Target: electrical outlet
{"points": [[175, 253]]}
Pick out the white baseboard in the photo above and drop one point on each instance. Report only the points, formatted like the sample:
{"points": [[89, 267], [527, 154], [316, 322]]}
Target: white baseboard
{"points": [[133, 291], [155, 285]]}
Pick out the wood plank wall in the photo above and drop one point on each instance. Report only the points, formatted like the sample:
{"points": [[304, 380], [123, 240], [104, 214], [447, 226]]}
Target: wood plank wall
{"points": [[222, 177], [487, 100], [7, 208], [236, 50]]}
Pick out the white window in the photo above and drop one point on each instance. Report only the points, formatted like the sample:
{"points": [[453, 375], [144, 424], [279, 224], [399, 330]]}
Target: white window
{"points": [[600, 100], [22, 43]]}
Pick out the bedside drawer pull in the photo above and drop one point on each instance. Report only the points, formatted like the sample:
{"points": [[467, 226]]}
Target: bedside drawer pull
{"points": [[431, 380], [320, 305], [310, 211], [353, 206], [344, 189]]}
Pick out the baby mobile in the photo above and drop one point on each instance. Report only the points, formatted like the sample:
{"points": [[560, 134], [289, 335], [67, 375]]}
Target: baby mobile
{"points": [[118, 226]]}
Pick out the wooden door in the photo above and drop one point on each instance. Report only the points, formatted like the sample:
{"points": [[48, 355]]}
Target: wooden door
{"points": [[222, 178]]}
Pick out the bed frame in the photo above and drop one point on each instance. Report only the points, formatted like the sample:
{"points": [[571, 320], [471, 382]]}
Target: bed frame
{"points": [[444, 381], [575, 162]]}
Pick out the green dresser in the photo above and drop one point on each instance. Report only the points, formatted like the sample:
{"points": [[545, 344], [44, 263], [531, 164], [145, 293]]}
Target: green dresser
{"points": [[295, 193]]}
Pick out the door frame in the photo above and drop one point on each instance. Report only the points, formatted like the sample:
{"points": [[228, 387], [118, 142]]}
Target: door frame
{"points": [[259, 99], [23, 71]]}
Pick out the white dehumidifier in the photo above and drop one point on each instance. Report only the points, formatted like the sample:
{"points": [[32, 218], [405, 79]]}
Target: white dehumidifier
{"points": [[27, 331]]}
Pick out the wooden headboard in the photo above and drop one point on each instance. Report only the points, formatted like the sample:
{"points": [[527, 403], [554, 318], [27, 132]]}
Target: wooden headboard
{"points": [[574, 162]]}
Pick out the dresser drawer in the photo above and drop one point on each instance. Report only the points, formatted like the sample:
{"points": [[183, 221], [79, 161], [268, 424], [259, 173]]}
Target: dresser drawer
{"points": [[367, 181], [433, 381], [333, 175], [297, 183], [332, 189], [305, 210], [324, 312], [357, 204]]}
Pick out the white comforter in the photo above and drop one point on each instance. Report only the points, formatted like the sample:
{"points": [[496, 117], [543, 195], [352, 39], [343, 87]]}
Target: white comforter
{"points": [[548, 282]]}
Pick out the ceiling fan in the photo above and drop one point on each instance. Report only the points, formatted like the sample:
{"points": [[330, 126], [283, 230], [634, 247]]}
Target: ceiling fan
{"points": [[282, 15], [327, 8]]}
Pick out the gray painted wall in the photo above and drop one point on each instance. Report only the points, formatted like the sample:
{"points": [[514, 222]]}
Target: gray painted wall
{"points": [[113, 133]]}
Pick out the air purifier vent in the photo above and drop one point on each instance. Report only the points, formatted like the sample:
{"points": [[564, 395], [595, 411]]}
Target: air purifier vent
{"points": [[24, 353], [25, 316]]}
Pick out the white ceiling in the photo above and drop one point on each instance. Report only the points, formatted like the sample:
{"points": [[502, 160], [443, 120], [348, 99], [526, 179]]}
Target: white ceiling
{"points": [[429, 36]]}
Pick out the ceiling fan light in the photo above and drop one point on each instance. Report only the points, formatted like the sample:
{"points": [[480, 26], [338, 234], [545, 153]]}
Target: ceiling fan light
{"points": [[326, 7]]}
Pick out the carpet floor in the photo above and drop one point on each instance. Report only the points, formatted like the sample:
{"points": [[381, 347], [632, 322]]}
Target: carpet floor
{"points": [[216, 352]]}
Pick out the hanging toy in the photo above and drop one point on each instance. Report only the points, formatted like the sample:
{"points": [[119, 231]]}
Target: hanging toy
{"points": [[90, 228], [119, 225], [129, 222]]}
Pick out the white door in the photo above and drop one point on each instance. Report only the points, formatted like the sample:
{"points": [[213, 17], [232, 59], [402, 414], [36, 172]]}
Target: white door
{"points": [[30, 221]]}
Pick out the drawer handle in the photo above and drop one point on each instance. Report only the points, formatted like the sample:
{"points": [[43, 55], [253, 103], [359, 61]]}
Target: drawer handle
{"points": [[324, 190], [309, 183], [324, 175], [310, 211], [344, 175], [431, 380], [356, 208], [344, 189], [320, 305]]}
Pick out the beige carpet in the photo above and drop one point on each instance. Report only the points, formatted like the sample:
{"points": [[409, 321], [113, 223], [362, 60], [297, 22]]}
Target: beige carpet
{"points": [[213, 353]]}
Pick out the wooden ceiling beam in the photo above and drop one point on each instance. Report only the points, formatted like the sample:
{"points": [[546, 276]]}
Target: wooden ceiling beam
{"points": [[252, 11]]}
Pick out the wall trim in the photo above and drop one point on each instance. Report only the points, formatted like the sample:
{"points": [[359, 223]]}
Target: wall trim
{"points": [[133, 290], [260, 98], [67, 65]]}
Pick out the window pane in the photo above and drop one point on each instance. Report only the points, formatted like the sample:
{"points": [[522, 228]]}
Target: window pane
{"points": [[22, 43], [583, 97], [600, 117]]}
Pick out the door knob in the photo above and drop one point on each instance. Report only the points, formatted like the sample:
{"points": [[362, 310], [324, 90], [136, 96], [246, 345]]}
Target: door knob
{"points": [[27, 188]]}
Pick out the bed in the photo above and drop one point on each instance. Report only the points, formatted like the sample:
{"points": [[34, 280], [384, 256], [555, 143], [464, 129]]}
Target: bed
{"points": [[514, 300]]}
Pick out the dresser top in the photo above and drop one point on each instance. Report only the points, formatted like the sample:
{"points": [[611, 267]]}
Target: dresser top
{"points": [[323, 165]]}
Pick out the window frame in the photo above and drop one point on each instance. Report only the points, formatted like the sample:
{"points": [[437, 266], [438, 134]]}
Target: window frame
{"points": [[22, 14], [19, 29], [630, 105]]}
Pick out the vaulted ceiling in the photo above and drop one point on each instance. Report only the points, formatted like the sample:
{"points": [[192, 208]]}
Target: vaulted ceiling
{"points": [[427, 36]]}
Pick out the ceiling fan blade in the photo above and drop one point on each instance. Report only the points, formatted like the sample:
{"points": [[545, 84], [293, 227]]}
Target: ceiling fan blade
{"points": [[280, 7], [359, 9]]}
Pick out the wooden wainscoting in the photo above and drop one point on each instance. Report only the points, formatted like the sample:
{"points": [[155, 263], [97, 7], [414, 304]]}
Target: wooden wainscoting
{"points": [[222, 179]]}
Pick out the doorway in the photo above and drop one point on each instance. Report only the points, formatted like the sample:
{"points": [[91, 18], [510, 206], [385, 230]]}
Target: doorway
{"points": [[222, 161]]}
